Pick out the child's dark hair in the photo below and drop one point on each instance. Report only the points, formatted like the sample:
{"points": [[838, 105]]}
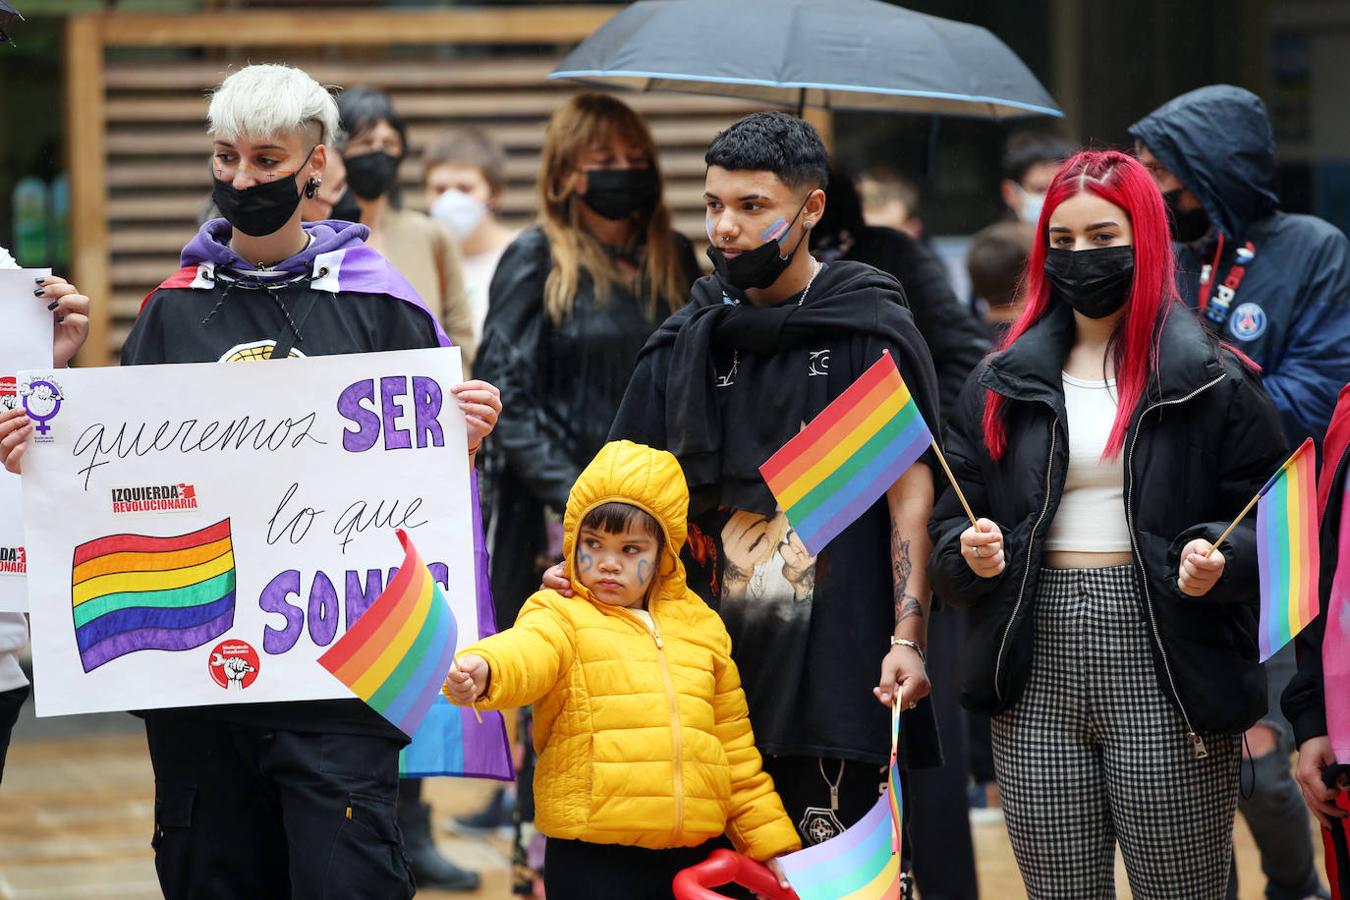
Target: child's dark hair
{"points": [[773, 142], [615, 517]]}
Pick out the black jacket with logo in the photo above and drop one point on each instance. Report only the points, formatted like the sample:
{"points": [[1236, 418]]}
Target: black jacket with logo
{"points": [[1200, 445]]}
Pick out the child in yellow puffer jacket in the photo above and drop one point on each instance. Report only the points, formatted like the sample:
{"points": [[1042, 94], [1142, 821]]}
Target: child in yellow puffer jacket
{"points": [[645, 747]]}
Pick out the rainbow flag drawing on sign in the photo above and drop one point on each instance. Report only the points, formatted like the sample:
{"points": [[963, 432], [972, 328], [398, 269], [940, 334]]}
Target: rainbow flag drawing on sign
{"points": [[863, 863], [845, 459], [397, 654], [134, 592], [1287, 550]]}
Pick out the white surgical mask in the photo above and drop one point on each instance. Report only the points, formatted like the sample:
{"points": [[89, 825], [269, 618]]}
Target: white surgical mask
{"points": [[1031, 206], [459, 212]]}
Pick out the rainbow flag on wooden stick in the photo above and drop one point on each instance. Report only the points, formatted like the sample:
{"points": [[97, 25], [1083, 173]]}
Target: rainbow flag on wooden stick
{"points": [[863, 863], [845, 459], [396, 655], [1287, 550]]}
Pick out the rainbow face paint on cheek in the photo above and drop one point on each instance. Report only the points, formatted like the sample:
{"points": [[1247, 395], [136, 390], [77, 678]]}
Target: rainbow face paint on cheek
{"points": [[775, 231], [708, 227]]}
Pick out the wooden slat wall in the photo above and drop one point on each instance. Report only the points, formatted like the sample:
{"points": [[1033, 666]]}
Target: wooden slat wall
{"points": [[152, 156]]}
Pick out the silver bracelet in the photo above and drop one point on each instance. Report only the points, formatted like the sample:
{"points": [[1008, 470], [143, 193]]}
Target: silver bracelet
{"points": [[906, 642]]}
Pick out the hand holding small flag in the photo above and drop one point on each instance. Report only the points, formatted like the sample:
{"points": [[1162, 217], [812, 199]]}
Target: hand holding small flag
{"points": [[466, 682], [1200, 569]]}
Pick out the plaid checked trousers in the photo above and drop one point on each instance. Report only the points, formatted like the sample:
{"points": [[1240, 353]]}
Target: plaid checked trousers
{"points": [[1092, 753]]}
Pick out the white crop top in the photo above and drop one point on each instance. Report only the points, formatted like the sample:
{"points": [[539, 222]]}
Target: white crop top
{"points": [[1091, 514]]}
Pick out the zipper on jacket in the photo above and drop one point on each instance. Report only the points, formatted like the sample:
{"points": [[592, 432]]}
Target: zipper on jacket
{"points": [[1031, 543], [1197, 742], [673, 702]]}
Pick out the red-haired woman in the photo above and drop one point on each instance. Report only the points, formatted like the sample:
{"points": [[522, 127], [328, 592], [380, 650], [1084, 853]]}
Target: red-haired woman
{"points": [[1108, 442]]}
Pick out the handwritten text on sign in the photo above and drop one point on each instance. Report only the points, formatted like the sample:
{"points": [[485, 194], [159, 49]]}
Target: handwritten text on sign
{"points": [[199, 534]]}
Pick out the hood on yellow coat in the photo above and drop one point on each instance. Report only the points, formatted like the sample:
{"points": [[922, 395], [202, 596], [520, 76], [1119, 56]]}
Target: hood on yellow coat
{"points": [[641, 476]]}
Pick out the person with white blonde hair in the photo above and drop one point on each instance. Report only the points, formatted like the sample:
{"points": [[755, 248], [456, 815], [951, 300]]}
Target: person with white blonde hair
{"points": [[292, 799]]}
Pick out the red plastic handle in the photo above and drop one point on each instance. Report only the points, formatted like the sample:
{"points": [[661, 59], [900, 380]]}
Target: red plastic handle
{"points": [[726, 867]]}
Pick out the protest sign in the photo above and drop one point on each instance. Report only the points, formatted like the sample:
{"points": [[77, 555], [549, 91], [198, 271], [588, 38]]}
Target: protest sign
{"points": [[25, 343], [199, 534]]}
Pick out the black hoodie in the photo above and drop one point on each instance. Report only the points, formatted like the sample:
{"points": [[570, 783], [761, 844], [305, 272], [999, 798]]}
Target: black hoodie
{"points": [[1291, 310]]}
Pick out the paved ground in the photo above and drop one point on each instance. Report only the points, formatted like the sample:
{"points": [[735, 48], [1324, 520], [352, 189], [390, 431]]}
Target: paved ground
{"points": [[77, 806]]}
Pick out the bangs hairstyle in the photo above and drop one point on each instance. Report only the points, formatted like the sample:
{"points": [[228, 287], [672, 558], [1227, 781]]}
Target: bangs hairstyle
{"points": [[1119, 179], [615, 518], [267, 101], [583, 122], [773, 142], [468, 146]]}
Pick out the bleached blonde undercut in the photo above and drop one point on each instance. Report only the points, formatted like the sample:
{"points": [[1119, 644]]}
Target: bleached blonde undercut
{"points": [[266, 101]]}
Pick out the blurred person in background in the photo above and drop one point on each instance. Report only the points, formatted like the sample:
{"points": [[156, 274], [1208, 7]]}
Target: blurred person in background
{"points": [[324, 204], [1030, 161], [995, 261], [573, 300], [954, 337], [1276, 285], [890, 200], [464, 174], [422, 250]]}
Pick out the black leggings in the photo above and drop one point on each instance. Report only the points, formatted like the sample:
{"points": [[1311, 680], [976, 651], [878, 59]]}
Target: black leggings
{"points": [[10, 702], [577, 870]]}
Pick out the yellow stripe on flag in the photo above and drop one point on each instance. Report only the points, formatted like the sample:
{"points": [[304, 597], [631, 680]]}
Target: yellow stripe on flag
{"points": [[370, 680], [135, 582], [839, 454]]}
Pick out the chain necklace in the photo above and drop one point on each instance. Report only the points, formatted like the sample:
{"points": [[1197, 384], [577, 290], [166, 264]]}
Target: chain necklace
{"points": [[816, 266]]}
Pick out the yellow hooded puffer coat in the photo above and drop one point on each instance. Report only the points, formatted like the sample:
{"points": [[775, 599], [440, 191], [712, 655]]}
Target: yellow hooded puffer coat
{"points": [[643, 734]]}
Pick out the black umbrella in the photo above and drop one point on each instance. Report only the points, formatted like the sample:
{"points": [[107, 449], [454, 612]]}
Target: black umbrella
{"points": [[837, 54], [7, 16]]}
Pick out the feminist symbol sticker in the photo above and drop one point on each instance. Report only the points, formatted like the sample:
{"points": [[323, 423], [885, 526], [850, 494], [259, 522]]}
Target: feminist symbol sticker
{"points": [[42, 401]]}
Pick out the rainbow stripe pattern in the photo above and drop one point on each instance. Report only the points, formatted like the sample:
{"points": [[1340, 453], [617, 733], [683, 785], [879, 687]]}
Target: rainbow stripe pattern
{"points": [[1287, 550], [397, 654], [863, 863], [845, 459], [134, 592]]}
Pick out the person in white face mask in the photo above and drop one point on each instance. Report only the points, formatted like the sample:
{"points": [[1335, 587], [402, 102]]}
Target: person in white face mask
{"points": [[1030, 161], [464, 172]]}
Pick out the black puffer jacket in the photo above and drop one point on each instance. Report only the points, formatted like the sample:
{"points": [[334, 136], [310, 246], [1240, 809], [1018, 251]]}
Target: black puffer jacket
{"points": [[1201, 444]]}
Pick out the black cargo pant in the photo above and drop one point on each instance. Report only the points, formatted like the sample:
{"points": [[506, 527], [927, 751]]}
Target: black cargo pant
{"points": [[253, 812]]}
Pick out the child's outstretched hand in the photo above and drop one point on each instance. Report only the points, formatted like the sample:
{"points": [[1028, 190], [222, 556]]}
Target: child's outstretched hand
{"points": [[467, 679]]}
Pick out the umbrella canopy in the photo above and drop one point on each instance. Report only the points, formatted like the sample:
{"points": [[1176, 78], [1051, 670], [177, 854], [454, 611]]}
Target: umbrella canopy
{"points": [[837, 54], [7, 16]]}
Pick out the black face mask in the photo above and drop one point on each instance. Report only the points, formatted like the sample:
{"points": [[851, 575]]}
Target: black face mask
{"points": [[346, 209], [757, 268], [1093, 282], [619, 193], [370, 175], [1188, 225], [259, 210]]}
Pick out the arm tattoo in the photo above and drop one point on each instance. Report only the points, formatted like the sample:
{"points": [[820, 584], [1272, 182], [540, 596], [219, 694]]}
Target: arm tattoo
{"points": [[906, 604]]}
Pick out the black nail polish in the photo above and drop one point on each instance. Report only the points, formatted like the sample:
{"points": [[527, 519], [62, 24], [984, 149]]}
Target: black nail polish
{"points": [[40, 280], [37, 293], [54, 304], [60, 319]]}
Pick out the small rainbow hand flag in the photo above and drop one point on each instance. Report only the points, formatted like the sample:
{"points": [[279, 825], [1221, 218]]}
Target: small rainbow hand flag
{"points": [[134, 592], [845, 459], [396, 655], [863, 863], [1287, 550]]}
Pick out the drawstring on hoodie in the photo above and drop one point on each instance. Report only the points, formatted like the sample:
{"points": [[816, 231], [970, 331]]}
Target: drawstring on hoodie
{"points": [[219, 303]]}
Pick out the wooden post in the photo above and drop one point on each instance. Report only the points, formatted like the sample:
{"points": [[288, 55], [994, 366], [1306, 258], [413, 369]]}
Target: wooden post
{"points": [[86, 161]]}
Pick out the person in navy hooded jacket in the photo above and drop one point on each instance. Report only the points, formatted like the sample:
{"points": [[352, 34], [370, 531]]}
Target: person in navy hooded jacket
{"points": [[281, 799], [1277, 287]]}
